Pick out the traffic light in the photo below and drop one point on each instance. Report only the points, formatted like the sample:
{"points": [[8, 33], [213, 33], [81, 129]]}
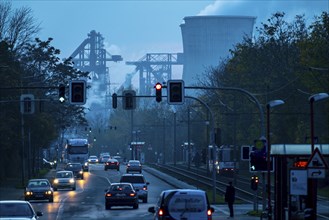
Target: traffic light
{"points": [[258, 156], [129, 99], [175, 91], [258, 161], [254, 182], [114, 100], [61, 93], [78, 92], [158, 92]]}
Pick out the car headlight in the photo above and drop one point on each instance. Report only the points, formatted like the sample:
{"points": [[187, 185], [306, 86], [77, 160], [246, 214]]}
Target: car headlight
{"points": [[29, 193], [49, 192], [89, 160], [86, 163], [55, 181], [81, 172], [72, 180]]}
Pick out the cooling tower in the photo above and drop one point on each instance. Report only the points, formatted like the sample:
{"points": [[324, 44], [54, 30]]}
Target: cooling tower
{"points": [[208, 39]]}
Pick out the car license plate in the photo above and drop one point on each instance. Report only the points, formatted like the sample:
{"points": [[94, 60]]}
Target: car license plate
{"points": [[121, 194]]}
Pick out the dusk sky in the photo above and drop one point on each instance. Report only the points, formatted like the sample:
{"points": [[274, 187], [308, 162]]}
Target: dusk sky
{"points": [[134, 28]]}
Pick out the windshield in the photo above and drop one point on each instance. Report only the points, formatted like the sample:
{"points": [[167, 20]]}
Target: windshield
{"points": [[77, 149], [37, 184], [64, 175]]}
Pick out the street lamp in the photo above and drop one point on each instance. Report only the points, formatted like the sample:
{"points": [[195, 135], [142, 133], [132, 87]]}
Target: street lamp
{"points": [[270, 105], [313, 182]]}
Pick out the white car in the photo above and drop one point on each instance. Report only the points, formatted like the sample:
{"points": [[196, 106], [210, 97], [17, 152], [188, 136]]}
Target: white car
{"points": [[182, 204], [17, 209], [64, 179], [93, 159]]}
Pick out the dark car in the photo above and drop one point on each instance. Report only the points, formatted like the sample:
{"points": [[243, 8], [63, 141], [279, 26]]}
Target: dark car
{"points": [[139, 183], [182, 204], [18, 209], [134, 166], [112, 164], [76, 168], [121, 194], [39, 189]]}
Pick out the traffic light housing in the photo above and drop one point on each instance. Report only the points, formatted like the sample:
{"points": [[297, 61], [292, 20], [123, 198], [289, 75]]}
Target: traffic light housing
{"points": [[129, 99], [254, 182], [175, 91], [114, 100], [258, 156], [158, 92], [78, 92], [61, 93]]}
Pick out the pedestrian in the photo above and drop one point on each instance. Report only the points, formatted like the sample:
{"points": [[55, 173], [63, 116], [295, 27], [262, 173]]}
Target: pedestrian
{"points": [[230, 197]]}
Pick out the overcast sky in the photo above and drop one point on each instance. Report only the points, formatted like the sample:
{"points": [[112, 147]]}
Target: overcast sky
{"points": [[134, 28]]}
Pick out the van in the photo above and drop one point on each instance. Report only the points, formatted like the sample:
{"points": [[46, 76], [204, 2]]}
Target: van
{"points": [[182, 204]]}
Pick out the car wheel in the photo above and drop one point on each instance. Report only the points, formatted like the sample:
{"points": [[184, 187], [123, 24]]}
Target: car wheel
{"points": [[105, 169], [26, 199], [51, 199], [73, 188], [82, 177], [55, 189], [135, 206], [107, 207], [118, 169], [145, 200]]}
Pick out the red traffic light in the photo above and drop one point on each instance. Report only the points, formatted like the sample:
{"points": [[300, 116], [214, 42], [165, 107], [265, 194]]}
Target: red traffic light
{"points": [[158, 86], [158, 92]]}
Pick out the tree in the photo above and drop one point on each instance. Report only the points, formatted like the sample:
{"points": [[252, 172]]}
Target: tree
{"points": [[17, 27]]}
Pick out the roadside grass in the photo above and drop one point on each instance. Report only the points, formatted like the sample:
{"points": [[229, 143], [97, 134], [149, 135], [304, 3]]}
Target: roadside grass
{"points": [[324, 191]]}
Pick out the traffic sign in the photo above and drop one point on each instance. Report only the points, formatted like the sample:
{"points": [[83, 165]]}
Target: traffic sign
{"points": [[316, 173], [316, 160]]}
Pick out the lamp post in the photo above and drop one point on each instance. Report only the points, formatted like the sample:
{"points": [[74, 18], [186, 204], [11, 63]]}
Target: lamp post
{"points": [[312, 190], [270, 105]]}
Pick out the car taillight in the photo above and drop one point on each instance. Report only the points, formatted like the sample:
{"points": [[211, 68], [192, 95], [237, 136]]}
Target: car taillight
{"points": [[145, 188], [160, 212], [132, 194], [108, 194]]}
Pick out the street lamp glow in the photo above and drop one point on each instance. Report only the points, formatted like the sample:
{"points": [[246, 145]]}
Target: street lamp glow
{"points": [[318, 96], [274, 103]]}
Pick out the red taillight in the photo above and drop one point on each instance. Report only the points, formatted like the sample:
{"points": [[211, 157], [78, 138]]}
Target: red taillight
{"points": [[132, 194], [160, 212], [145, 188]]}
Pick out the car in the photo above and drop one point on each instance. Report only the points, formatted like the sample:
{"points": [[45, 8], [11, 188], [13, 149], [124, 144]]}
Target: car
{"points": [[182, 204], [39, 189], [76, 168], [118, 158], [121, 194], [139, 183], [134, 166], [64, 179], [93, 159], [104, 158], [18, 209], [112, 164]]}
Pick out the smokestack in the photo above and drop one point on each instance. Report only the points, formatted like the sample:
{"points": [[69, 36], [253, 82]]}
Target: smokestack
{"points": [[208, 39]]}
